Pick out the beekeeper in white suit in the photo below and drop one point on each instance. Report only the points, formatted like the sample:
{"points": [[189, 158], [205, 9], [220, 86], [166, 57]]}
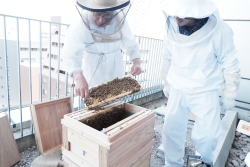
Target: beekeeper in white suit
{"points": [[93, 45], [199, 58]]}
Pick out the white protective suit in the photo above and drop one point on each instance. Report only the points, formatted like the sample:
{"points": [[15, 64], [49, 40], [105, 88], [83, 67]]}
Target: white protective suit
{"points": [[82, 53], [195, 75]]}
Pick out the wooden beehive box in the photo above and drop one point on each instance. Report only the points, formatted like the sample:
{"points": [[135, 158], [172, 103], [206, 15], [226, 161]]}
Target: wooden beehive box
{"points": [[125, 143], [91, 138], [46, 118]]}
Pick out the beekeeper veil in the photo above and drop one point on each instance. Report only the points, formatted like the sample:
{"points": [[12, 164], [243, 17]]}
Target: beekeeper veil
{"points": [[187, 9], [103, 18]]}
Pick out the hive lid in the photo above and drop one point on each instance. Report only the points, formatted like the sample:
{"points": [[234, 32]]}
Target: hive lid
{"points": [[111, 91], [46, 118], [9, 154]]}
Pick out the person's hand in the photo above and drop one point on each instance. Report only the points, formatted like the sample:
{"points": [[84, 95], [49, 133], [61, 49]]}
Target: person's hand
{"points": [[226, 104], [166, 90], [136, 68], [81, 86]]}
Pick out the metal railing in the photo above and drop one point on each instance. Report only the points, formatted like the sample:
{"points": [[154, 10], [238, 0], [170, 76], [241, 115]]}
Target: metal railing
{"points": [[42, 78]]}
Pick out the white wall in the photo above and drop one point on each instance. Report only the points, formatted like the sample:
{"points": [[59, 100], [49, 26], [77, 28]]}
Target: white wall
{"points": [[234, 9], [239, 10]]}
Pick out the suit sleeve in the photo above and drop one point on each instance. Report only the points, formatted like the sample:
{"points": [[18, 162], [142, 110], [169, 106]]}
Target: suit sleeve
{"points": [[129, 44], [72, 54]]}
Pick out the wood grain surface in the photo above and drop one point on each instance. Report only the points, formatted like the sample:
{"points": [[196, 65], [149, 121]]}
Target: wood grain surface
{"points": [[9, 154], [46, 119]]}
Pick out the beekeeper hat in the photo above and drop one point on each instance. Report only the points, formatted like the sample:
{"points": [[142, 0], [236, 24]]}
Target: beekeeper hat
{"points": [[102, 5], [188, 8]]}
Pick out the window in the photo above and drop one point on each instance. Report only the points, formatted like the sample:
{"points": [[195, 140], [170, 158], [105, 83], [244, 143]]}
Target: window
{"points": [[54, 44], [28, 59], [44, 49], [24, 49], [61, 71], [45, 67], [45, 80], [61, 45], [34, 49], [44, 92], [55, 57]]}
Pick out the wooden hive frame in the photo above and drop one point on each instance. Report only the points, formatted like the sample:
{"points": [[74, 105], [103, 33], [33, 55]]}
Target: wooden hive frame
{"points": [[125, 143], [97, 104]]}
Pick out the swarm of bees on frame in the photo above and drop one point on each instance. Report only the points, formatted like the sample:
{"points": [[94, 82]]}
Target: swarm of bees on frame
{"points": [[104, 119], [112, 88]]}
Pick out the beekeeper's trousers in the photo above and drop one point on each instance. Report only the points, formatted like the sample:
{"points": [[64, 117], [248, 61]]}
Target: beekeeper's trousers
{"points": [[206, 129]]}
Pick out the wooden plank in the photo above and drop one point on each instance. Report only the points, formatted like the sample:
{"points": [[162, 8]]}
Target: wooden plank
{"points": [[9, 154], [52, 102], [93, 112], [85, 144], [144, 161], [132, 108], [141, 133], [103, 157], [83, 154], [132, 158], [102, 103], [132, 142], [46, 118], [84, 115], [95, 136], [117, 159], [77, 114], [72, 114], [77, 160], [65, 141], [130, 127], [129, 122], [124, 120], [36, 129], [86, 129], [68, 162]]}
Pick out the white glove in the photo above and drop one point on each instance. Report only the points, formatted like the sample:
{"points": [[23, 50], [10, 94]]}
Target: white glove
{"points": [[166, 90], [232, 82], [165, 65], [81, 86], [227, 104]]}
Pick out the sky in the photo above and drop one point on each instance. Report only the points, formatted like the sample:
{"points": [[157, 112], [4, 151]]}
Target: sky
{"points": [[234, 9], [38, 9], [43, 9]]}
